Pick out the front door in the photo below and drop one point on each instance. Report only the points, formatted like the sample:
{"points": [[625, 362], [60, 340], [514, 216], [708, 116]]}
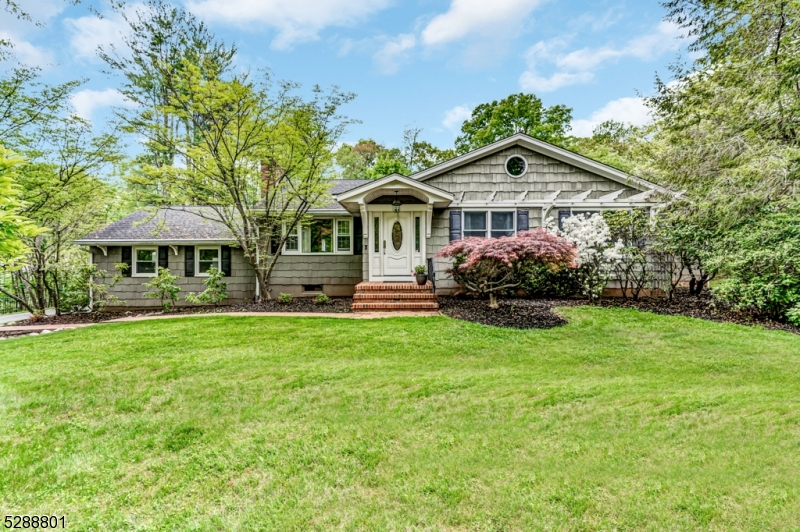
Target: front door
{"points": [[397, 243]]}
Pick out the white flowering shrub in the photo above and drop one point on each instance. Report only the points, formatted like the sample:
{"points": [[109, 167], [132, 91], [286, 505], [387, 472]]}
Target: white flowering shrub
{"points": [[598, 255]]}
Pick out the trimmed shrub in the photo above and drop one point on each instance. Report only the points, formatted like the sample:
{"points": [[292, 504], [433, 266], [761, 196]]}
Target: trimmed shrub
{"points": [[492, 266], [284, 298]]}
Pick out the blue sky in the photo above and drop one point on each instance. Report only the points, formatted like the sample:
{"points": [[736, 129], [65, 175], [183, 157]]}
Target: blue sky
{"points": [[422, 63]]}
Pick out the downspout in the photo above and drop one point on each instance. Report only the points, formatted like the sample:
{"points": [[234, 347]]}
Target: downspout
{"points": [[91, 280], [258, 285]]}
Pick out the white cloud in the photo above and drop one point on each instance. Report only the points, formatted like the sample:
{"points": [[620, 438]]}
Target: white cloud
{"points": [[628, 110], [295, 20], [645, 47], [389, 56], [87, 101], [453, 118], [87, 33], [498, 18], [27, 53], [577, 67], [531, 81]]}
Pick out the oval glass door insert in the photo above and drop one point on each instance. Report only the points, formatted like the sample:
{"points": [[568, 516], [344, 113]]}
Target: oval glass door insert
{"points": [[397, 236]]}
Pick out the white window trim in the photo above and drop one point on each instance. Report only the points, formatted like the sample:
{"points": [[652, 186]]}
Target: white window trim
{"points": [[524, 159], [134, 273], [334, 241], [489, 220], [197, 259]]}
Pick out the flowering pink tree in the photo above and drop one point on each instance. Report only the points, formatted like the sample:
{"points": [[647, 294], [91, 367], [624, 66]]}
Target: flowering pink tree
{"points": [[486, 266]]}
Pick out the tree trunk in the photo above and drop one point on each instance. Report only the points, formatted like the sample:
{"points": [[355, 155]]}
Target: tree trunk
{"points": [[493, 301]]}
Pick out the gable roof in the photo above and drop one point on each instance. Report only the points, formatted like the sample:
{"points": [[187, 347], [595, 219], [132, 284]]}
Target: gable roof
{"points": [[544, 148], [432, 191]]}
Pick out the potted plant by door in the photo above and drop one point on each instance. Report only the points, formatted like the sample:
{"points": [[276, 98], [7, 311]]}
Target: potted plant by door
{"points": [[422, 274]]}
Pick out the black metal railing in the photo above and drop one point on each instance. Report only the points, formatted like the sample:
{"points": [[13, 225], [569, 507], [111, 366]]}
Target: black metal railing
{"points": [[9, 306], [432, 273]]}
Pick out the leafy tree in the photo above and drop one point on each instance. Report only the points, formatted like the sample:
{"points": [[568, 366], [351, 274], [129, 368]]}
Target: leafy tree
{"points": [[216, 289], [613, 143], [357, 161], [727, 127], [163, 288], [518, 113], [764, 273], [632, 229], [15, 228], [259, 157], [488, 266], [598, 255], [62, 193], [91, 288], [368, 159], [25, 103], [160, 40]]}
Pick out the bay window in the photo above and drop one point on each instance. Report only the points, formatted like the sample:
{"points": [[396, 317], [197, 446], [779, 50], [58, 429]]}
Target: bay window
{"points": [[324, 235]]}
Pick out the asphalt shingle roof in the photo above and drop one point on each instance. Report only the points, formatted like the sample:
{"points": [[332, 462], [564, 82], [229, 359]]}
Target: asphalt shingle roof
{"points": [[184, 223], [167, 225]]}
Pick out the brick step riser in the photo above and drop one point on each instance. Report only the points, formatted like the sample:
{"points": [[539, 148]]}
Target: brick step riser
{"points": [[393, 287], [395, 297], [394, 306]]}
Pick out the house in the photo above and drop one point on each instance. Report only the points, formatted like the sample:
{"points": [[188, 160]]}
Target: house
{"points": [[508, 186]]}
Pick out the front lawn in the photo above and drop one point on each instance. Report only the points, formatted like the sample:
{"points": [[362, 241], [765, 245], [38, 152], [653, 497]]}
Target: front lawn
{"points": [[620, 419]]}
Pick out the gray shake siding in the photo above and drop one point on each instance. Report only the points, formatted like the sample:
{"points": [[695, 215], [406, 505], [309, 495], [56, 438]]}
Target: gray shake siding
{"points": [[338, 274], [545, 175], [478, 180], [241, 283]]}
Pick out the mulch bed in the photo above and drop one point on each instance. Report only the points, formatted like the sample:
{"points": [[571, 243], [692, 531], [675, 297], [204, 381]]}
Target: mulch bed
{"points": [[515, 313], [336, 305]]}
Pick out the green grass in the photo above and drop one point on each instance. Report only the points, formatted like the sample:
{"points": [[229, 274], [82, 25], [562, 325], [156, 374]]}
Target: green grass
{"points": [[620, 420]]}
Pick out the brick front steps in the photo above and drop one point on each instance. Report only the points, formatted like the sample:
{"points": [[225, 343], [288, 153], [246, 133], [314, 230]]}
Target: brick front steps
{"points": [[383, 297]]}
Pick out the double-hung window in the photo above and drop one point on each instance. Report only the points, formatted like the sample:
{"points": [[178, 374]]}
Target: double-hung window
{"points": [[474, 224], [146, 262], [489, 223], [207, 258], [343, 235], [502, 223]]}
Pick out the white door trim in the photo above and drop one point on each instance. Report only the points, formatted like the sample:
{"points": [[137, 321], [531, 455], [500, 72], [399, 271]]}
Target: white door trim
{"points": [[385, 215]]}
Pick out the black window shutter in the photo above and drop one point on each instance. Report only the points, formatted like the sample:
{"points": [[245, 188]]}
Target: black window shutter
{"points": [[455, 225], [226, 260], [523, 223], [563, 215], [127, 258], [188, 255], [358, 236], [163, 257], [274, 243]]}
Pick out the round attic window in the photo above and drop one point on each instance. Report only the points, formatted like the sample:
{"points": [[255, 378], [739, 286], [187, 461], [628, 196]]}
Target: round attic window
{"points": [[516, 166]]}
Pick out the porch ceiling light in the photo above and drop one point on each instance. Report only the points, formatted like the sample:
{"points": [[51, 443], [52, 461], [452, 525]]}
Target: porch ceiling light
{"points": [[396, 203]]}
